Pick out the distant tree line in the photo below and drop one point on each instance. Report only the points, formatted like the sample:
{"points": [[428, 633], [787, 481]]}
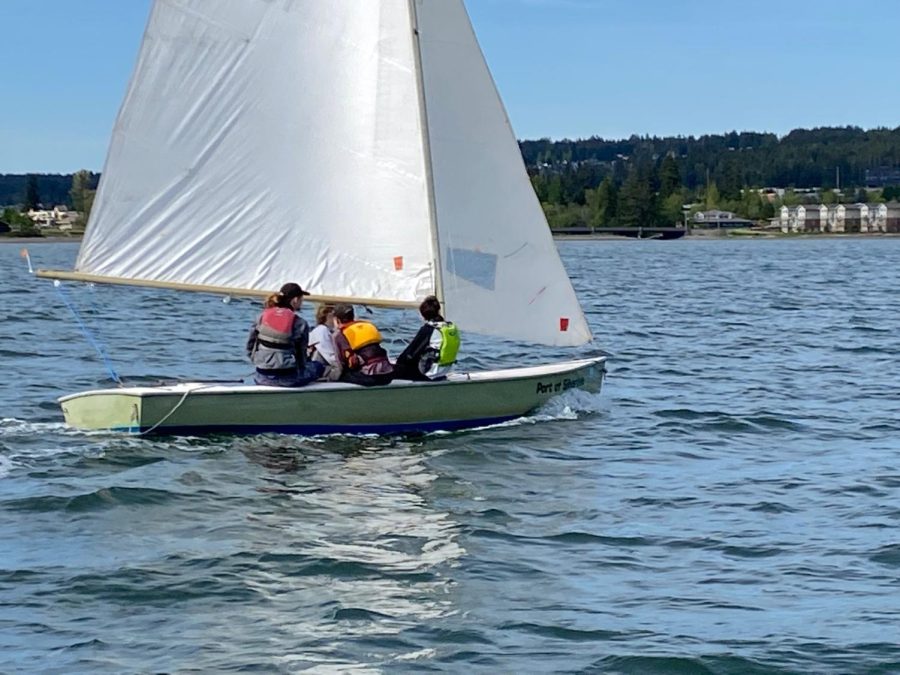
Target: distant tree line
{"points": [[50, 189], [647, 181], [22, 193], [640, 181]]}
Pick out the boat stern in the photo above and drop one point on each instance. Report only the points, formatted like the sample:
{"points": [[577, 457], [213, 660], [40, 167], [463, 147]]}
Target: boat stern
{"points": [[102, 409]]}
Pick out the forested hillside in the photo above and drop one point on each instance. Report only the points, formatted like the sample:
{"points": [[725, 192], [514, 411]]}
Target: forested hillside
{"points": [[648, 180]]}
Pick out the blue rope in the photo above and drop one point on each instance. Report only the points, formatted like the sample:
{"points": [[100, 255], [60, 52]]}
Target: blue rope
{"points": [[87, 334]]}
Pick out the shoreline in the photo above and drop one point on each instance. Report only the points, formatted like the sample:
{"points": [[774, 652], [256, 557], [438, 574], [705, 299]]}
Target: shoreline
{"points": [[729, 237], [40, 240], [577, 237]]}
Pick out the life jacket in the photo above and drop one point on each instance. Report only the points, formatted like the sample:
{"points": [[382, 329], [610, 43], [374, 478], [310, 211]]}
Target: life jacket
{"points": [[361, 334], [366, 353], [276, 326], [447, 335]]}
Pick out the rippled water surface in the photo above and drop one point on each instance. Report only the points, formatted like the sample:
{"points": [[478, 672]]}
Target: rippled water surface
{"points": [[730, 503]]}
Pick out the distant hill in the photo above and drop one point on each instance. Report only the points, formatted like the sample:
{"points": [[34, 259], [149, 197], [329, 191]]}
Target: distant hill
{"points": [[53, 188], [804, 158]]}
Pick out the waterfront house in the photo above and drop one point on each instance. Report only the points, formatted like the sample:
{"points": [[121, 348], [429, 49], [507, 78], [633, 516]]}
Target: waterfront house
{"points": [[716, 219], [815, 218], [55, 217], [836, 218], [839, 218], [854, 218], [892, 217]]}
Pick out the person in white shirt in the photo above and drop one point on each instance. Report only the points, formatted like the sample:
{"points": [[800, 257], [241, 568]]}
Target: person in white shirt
{"points": [[321, 343]]}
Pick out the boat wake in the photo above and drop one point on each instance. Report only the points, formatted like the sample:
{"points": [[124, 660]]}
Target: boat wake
{"points": [[571, 405], [10, 426]]}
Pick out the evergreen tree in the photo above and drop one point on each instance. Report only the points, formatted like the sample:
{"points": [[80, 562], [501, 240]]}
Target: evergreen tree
{"points": [[751, 204], [555, 190], [669, 177], [539, 183], [672, 209], [732, 182], [790, 198], [602, 204], [80, 182], [32, 196], [636, 203], [711, 196]]}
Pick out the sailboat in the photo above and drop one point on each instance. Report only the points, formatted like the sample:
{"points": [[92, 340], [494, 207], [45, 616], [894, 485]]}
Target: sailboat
{"points": [[357, 147]]}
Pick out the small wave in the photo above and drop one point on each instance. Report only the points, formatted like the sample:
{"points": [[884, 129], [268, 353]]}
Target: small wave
{"points": [[750, 551], [85, 644], [358, 614], [862, 349], [104, 498], [887, 555], [565, 633], [652, 665], [870, 329], [13, 426], [717, 420], [772, 507]]}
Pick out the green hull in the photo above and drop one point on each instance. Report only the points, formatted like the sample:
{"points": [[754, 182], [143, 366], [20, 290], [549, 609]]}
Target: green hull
{"points": [[462, 401]]}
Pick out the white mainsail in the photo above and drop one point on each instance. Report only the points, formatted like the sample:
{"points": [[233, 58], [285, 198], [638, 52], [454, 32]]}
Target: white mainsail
{"points": [[265, 141], [358, 147]]}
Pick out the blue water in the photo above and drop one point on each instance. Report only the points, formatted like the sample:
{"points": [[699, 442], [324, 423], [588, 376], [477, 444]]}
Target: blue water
{"points": [[730, 503]]}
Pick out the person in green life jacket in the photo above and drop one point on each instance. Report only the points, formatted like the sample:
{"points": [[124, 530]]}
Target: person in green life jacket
{"points": [[433, 350], [279, 340]]}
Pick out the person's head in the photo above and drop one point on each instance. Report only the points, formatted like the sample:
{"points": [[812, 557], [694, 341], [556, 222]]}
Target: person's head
{"points": [[289, 296], [344, 313], [430, 309], [324, 313]]}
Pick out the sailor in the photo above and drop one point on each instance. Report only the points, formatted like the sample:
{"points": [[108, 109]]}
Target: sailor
{"points": [[433, 350], [321, 343], [358, 343], [278, 342]]}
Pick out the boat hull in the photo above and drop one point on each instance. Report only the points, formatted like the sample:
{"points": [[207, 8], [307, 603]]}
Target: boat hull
{"points": [[462, 401]]}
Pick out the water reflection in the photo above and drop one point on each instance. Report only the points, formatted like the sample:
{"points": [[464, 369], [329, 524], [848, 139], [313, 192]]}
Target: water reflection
{"points": [[356, 549]]}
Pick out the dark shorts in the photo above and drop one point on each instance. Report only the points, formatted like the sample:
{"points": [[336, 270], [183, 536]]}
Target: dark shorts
{"points": [[290, 378]]}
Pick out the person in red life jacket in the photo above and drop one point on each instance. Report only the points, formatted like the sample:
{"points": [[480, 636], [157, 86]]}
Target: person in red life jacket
{"points": [[359, 347], [432, 352], [279, 340]]}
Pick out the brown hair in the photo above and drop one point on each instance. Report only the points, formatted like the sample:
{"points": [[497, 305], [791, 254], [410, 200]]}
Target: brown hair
{"points": [[322, 312], [344, 313]]}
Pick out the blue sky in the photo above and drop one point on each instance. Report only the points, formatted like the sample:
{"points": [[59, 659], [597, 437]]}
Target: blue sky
{"points": [[565, 69]]}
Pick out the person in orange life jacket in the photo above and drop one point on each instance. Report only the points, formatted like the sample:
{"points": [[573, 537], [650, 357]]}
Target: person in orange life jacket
{"points": [[278, 342], [359, 347], [421, 361]]}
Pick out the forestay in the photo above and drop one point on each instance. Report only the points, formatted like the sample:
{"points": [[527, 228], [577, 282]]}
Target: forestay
{"points": [[331, 144]]}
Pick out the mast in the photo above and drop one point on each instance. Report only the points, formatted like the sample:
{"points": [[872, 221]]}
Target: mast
{"points": [[426, 146]]}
